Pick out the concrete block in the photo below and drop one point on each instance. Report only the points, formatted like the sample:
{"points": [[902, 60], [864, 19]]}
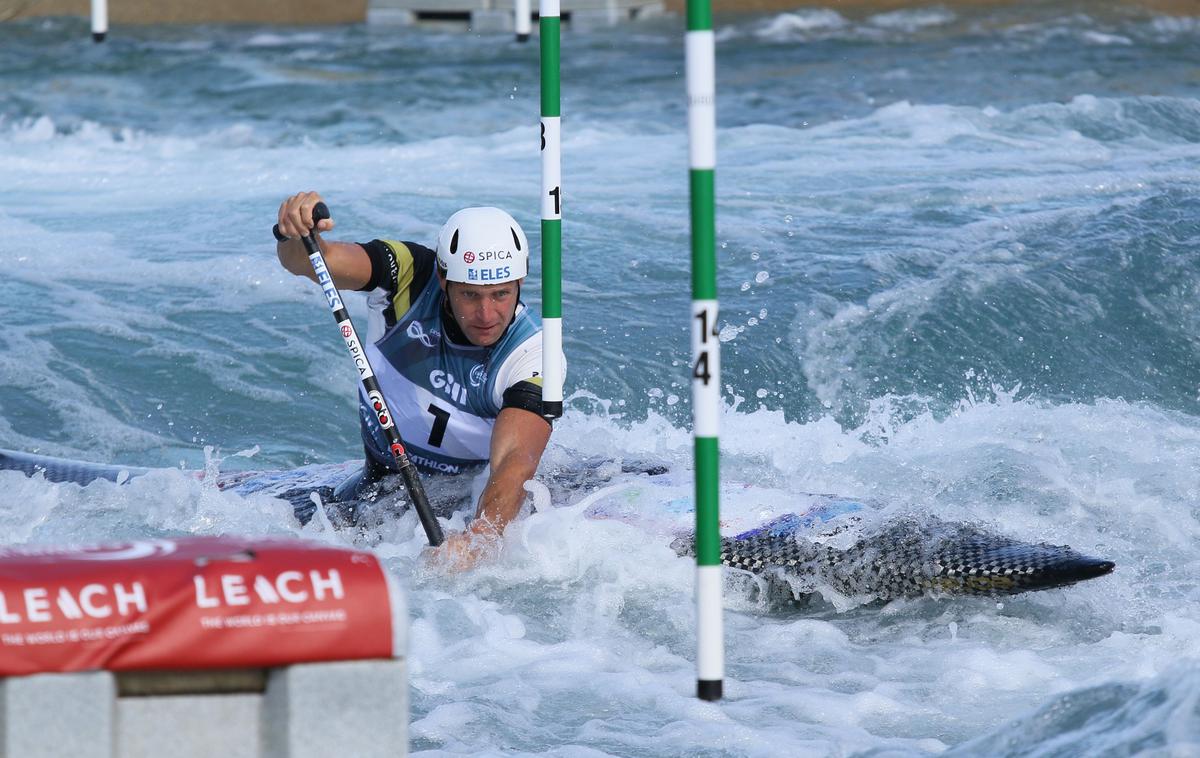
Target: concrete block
{"points": [[190, 726], [209, 12], [390, 17], [357, 708], [491, 21], [495, 16], [55, 715], [590, 19]]}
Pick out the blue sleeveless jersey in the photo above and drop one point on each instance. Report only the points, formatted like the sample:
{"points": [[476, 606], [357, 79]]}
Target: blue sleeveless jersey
{"points": [[444, 396]]}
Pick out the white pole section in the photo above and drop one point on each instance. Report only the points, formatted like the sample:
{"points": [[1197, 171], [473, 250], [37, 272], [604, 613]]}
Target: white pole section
{"points": [[706, 347], [99, 20], [549, 26], [522, 23]]}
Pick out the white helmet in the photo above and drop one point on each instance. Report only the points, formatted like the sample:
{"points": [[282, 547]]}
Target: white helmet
{"points": [[483, 246]]}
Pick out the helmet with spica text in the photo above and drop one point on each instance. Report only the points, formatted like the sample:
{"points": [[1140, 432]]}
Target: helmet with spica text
{"points": [[482, 246]]}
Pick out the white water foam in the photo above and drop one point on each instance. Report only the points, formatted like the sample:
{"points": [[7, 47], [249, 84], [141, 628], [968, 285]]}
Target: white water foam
{"points": [[577, 617], [146, 317]]}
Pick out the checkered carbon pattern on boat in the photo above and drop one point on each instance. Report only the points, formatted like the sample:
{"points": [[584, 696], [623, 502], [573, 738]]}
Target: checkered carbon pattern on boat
{"points": [[910, 559]]}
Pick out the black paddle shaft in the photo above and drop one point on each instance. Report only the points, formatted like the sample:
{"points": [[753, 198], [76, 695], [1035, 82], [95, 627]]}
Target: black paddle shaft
{"points": [[370, 384]]}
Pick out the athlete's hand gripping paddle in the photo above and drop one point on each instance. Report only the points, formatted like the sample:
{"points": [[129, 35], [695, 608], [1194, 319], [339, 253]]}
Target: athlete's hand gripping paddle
{"points": [[407, 470]]}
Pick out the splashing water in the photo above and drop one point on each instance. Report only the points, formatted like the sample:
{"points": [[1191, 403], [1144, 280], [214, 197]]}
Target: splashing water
{"points": [[968, 239]]}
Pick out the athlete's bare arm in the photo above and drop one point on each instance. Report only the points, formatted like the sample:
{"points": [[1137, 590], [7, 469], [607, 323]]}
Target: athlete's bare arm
{"points": [[347, 262], [518, 440]]}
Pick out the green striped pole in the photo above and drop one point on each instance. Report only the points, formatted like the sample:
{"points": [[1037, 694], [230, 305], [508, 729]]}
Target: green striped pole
{"points": [[552, 362], [706, 349]]}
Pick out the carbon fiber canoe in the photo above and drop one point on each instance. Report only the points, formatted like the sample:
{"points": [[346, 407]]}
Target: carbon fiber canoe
{"points": [[829, 547]]}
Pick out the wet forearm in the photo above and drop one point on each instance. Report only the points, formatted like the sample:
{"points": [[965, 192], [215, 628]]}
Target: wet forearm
{"points": [[294, 257], [501, 499], [347, 262]]}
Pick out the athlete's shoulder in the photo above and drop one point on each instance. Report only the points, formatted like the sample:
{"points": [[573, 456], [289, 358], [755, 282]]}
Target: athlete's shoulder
{"points": [[400, 273], [525, 324], [421, 255], [398, 266], [520, 357]]}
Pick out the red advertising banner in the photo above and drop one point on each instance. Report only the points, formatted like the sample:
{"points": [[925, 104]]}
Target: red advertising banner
{"points": [[189, 603]]}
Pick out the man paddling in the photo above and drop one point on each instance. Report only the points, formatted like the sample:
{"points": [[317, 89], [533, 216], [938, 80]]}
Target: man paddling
{"points": [[456, 353]]}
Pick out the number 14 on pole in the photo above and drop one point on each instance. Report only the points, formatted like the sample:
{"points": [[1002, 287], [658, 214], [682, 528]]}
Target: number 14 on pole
{"points": [[706, 347]]}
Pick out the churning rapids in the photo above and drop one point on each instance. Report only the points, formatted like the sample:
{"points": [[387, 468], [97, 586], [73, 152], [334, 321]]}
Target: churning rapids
{"points": [[959, 279]]}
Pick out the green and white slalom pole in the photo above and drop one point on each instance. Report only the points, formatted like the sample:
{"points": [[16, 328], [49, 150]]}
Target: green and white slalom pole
{"points": [[706, 349], [99, 20], [521, 22], [549, 27]]}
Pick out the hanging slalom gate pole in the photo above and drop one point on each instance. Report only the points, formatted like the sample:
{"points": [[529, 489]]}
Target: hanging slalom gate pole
{"points": [[521, 21], [99, 20], [706, 349], [549, 26], [408, 471]]}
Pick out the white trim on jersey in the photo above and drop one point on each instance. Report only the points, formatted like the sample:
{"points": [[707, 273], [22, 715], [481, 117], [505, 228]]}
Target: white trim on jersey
{"points": [[524, 362]]}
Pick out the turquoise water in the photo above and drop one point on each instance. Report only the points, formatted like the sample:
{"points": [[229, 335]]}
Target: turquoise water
{"points": [[958, 256]]}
